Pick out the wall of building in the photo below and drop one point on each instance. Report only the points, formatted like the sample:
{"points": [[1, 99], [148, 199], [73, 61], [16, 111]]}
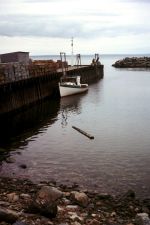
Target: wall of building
{"points": [[15, 57]]}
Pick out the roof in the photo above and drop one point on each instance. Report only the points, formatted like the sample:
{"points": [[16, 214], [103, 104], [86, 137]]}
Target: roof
{"points": [[13, 52]]}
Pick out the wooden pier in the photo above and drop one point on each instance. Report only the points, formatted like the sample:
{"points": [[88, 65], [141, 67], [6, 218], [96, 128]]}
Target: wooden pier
{"points": [[37, 85]]}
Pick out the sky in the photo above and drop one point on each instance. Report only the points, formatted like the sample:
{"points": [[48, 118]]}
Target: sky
{"points": [[97, 26]]}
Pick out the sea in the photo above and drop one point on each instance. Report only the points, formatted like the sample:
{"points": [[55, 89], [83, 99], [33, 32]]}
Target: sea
{"points": [[115, 110]]}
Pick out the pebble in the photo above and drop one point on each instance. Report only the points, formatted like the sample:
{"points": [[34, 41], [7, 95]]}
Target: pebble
{"points": [[142, 219], [23, 166], [54, 206], [19, 223], [12, 197], [25, 196], [80, 198]]}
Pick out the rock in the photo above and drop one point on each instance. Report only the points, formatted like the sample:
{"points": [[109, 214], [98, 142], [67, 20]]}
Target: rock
{"points": [[66, 201], [10, 160], [104, 197], [45, 202], [50, 194], [12, 197], [130, 194], [25, 196], [23, 166], [67, 194], [4, 204], [133, 62], [75, 217], [8, 215], [64, 224], [80, 198], [49, 223], [75, 223], [47, 209], [19, 223], [113, 214], [93, 222], [130, 224], [93, 215], [146, 206], [142, 219], [72, 207]]}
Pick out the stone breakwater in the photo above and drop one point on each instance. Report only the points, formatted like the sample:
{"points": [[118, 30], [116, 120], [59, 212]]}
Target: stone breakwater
{"points": [[25, 203], [133, 62]]}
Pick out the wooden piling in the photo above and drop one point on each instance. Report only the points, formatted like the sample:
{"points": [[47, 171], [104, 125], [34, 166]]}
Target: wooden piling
{"points": [[83, 132]]}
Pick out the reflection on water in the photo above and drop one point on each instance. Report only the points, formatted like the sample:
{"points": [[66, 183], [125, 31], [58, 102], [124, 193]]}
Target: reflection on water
{"points": [[17, 129], [70, 105], [134, 69]]}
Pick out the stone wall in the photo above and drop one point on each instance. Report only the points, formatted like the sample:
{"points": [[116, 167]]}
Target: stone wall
{"points": [[13, 71], [10, 72]]}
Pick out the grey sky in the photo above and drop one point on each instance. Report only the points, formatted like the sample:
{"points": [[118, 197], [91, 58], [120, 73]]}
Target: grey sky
{"points": [[46, 27]]}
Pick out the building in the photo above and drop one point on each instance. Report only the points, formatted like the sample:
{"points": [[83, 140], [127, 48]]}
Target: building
{"points": [[22, 57]]}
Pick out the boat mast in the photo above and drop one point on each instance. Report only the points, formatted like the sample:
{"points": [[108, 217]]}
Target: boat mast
{"points": [[72, 51]]}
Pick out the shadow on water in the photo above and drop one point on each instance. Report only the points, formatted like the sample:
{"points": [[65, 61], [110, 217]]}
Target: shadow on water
{"points": [[16, 129]]}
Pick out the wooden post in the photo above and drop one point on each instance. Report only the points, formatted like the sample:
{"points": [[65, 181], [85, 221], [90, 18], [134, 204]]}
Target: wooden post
{"points": [[83, 132]]}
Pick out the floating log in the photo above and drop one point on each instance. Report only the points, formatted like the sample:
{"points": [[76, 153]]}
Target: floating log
{"points": [[83, 132]]}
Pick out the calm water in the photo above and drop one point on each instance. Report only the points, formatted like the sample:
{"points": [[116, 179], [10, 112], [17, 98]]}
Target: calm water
{"points": [[115, 110]]}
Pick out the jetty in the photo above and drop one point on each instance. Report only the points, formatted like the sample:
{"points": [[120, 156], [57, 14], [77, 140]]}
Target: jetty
{"points": [[24, 82], [133, 62]]}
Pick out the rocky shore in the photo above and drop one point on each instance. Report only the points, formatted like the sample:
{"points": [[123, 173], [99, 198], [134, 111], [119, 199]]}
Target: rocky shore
{"points": [[25, 203], [133, 62]]}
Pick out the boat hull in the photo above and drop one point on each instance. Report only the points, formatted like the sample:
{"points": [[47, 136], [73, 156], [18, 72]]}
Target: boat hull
{"points": [[67, 90]]}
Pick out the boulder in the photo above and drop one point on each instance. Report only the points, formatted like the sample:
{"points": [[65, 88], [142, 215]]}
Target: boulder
{"points": [[80, 198], [47, 193], [45, 201], [8, 215], [133, 62]]}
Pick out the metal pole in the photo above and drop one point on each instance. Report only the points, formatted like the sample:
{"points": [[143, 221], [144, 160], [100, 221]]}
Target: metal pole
{"points": [[72, 52]]}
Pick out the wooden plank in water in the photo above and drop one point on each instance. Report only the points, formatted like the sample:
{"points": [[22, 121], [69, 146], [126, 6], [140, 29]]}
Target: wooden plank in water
{"points": [[83, 132]]}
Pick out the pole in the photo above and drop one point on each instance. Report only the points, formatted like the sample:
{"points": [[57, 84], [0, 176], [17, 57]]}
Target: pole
{"points": [[72, 52]]}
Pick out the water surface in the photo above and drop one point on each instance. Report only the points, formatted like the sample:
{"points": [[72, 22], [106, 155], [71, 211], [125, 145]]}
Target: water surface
{"points": [[115, 110]]}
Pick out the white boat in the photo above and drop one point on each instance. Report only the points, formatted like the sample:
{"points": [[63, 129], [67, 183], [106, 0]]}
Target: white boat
{"points": [[71, 86]]}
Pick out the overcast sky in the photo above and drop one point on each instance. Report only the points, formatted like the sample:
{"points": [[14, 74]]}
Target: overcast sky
{"points": [[98, 26]]}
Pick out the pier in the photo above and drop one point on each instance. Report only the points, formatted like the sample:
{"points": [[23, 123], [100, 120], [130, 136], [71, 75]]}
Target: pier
{"points": [[27, 84]]}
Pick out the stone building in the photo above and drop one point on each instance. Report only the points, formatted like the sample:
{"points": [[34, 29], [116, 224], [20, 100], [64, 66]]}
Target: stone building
{"points": [[22, 57]]}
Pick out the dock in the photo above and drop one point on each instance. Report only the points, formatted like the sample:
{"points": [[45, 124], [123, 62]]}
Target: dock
{"points": [[22, 85]]}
